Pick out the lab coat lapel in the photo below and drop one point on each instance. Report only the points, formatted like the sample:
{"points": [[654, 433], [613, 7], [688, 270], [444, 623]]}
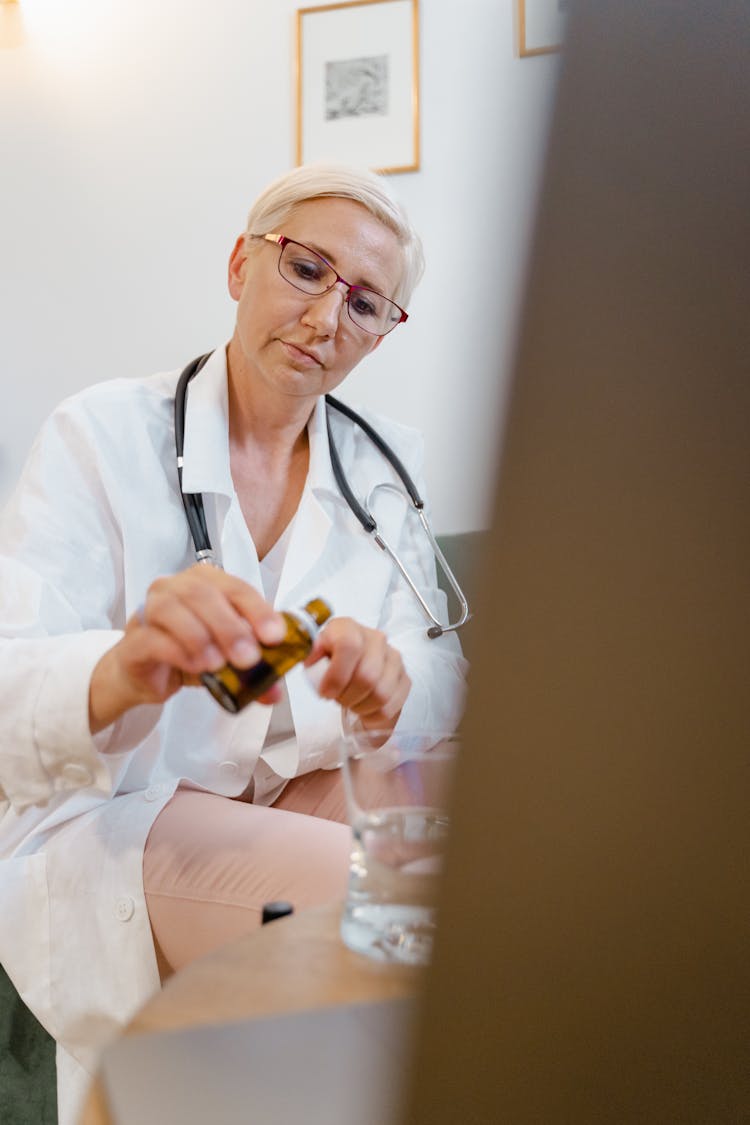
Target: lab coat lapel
{"points": [[206, 448], [207, 469]]}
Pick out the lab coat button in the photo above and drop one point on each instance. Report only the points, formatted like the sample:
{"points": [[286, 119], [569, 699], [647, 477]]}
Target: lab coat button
{"points": [[125, 908], [229, 769], [77, 774]]}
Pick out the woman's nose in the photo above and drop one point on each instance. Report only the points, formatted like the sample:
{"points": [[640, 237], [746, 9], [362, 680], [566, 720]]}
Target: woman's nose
{"points": [[324, 312]]}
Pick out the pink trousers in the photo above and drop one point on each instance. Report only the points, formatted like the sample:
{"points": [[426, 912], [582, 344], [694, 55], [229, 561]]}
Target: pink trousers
{"points": [[211, 863]]}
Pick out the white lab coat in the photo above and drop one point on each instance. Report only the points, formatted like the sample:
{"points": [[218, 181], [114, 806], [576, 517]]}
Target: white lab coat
{"points": [[96, 517]]}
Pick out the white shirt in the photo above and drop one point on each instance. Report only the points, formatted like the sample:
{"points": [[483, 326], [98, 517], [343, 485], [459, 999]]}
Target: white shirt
{"points": [[97, 516], [279, 740]]}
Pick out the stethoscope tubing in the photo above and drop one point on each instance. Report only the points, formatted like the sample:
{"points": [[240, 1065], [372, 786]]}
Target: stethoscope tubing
{"points": [[192, 502]]}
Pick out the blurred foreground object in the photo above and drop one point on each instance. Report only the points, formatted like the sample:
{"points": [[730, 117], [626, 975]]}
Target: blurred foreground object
{"points": [[592, 959]]}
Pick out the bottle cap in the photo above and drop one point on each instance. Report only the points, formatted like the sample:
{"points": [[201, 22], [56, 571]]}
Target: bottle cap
{"points": [[319, 610]]}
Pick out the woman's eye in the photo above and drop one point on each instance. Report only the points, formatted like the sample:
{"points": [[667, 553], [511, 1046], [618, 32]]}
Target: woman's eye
{"points": [[307, 270], [362, 305]]}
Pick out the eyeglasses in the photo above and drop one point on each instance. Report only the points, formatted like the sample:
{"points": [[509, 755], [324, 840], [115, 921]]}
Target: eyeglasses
{"points": [[308, 272]]}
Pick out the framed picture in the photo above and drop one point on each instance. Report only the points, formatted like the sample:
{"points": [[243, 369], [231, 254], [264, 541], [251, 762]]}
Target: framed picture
{"points": [[358, 84], [541, 26]]}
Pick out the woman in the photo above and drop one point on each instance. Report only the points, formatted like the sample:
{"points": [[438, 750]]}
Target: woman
{"points": [[142, 824]]}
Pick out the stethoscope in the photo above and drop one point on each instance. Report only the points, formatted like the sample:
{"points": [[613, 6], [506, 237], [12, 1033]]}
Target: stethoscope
{"points": [[196, 516]]}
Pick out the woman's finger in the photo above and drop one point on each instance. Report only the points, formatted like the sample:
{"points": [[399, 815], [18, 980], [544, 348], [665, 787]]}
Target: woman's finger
{"points": [[368, 677], [215, 617], [365, 674], [384, 704], [343, 641]]}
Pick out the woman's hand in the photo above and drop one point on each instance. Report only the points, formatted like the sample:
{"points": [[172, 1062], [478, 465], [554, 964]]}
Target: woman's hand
{"points": [[190, 623], [365, 674]]}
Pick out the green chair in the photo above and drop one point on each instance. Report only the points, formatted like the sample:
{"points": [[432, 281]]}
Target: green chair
{"points": [[28, 1076]]}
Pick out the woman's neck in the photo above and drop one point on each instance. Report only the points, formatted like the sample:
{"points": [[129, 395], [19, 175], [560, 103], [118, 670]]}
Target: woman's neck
{"points": [[261, 418], [269, 456]]}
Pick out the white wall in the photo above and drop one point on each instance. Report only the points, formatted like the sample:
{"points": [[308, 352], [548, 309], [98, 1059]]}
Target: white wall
{"points": [[133, 137]]}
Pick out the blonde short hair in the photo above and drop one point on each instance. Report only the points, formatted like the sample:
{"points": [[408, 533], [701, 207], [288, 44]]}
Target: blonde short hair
{"points": [[339, 181]]}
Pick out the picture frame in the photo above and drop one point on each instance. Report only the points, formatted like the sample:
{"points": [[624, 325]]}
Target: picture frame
{"points": [[541, 26], [358, 84]]}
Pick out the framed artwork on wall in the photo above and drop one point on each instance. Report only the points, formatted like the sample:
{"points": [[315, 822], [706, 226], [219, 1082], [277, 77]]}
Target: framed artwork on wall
{"points": [[358, 84], [541, 26]]}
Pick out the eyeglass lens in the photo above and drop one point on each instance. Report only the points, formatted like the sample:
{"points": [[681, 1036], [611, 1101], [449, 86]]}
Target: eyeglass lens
{"points": [[307, 271]]}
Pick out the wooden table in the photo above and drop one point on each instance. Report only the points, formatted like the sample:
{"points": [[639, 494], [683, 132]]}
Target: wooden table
{"points": [[290, 965]]}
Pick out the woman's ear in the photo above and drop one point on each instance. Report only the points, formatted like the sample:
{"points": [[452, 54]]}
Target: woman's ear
{"points": [[236, 271]]}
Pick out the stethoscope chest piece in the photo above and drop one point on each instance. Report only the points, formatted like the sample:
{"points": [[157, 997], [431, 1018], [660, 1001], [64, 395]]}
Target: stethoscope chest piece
{"points": [[436, 629]]}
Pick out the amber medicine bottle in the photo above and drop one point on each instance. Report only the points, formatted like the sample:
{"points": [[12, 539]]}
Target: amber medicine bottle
{"points": [[234, 687]]}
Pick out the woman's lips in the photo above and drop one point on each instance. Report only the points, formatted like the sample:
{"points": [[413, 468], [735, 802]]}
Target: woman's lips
{"points": [[300, 356]]}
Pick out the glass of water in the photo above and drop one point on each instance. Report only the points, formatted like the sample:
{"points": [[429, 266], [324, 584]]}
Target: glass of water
{"points": [[397, 790]]}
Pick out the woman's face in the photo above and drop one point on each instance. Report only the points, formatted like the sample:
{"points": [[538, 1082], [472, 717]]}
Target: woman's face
{"points": [[293, 343]]}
